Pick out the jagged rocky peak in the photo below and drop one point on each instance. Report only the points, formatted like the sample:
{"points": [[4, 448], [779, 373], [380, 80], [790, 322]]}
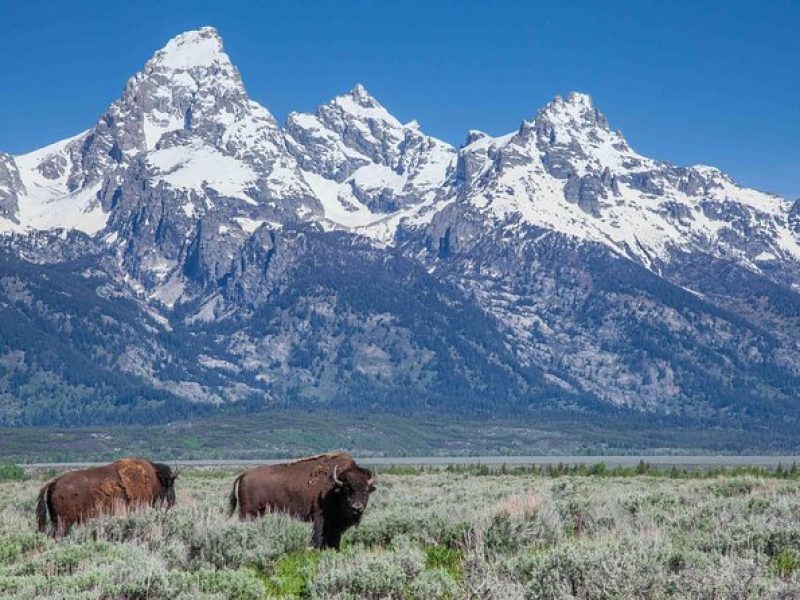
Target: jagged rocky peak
{"points": [[572, 140], [575, 122], [190, 84], [567, 171], [577, 109], [569, 138], [351, 124], [362, 97], [363, 160], [190, 79], [344, 134], [187, 166], [360, 104], [357, 104], [473, 135], [191, 49]]}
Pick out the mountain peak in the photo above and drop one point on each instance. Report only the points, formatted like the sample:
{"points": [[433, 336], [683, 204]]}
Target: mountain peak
{"points": [[198, 48], [473, 135], [573, 102], [360, 93], [362, 97], [577, 107], [359, 104], [579, 99]]}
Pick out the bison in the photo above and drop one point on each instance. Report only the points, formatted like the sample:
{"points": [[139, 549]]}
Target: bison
{"points": [[329, 490], [127, 483]]}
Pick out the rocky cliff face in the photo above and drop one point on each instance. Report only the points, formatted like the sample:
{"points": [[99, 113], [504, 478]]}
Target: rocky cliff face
{"points": [[10, 188], [349, 259]]}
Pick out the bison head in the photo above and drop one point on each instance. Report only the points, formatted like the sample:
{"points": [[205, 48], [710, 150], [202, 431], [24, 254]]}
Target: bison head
{"points": [[166, 477], [353, 486]]}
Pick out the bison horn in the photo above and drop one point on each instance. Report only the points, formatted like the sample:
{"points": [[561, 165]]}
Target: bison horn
{"points": [[336, 480], [371, 480]]}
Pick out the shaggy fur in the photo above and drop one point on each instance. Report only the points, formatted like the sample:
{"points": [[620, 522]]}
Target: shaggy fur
{"points": [[111, 489], [329, 490]]}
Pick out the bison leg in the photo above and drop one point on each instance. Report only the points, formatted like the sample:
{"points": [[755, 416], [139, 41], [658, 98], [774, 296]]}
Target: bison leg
{"points": [[60, 528], [318, 534], [331, 535], [333, 540]]}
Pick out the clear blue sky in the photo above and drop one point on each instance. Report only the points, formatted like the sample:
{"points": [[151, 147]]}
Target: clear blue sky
{"points": [[689, 82]]}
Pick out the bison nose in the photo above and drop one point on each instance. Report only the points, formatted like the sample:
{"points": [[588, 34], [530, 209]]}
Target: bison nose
{"points": [[359, 508]]}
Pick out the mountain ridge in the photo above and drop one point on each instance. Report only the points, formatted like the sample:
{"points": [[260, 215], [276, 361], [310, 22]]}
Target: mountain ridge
{"points": [[264, 258]]}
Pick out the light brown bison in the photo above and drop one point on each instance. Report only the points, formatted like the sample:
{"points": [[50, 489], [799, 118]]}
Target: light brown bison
{"points": [[126, 483], [329, 490]]}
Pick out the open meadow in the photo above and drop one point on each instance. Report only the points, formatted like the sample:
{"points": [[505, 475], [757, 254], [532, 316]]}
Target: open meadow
{"points": [[450, 533]]}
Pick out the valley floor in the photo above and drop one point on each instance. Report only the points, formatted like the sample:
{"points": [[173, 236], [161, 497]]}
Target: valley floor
{"points": [[462, 533], [289, 433]]}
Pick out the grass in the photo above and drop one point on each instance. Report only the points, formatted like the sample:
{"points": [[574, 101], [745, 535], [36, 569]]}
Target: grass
{"points": [[292, 574], [566, 533], [785, 563], [450, 560]]}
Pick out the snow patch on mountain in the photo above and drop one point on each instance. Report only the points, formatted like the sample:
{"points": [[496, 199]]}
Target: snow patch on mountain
{"points": [[198, 166], [45, 200], [341, 208]]}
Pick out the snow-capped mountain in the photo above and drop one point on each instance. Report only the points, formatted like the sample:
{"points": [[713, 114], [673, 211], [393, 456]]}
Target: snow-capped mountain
{"points": [[349, 258]]}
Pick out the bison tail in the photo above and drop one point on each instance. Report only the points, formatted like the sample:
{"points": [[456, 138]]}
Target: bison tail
{"points": [[233, 499], [43, 506]]}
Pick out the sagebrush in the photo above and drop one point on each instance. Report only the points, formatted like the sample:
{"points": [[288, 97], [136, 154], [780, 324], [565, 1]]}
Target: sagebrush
{"points": [[433, 534]]}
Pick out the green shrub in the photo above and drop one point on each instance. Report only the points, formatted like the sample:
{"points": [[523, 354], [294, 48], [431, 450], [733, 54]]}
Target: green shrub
{"points": [[435, 584], [368, 574], [733, 487], [423, 526], [538, 525], [785, 563], [450, 560], [596, 570], [238, 584], [232, 544], [13, 545], [292, 573]]}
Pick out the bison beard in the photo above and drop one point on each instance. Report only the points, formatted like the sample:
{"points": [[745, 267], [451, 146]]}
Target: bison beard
{"points": [[329, 490], [79, 495]]}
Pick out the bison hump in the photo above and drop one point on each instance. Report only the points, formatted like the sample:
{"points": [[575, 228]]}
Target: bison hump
{"points": [[327, 457], [321, 475], [137, 478]]}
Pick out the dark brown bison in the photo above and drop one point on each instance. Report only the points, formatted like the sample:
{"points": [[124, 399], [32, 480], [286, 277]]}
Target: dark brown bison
{"points": [[329, 490], [111, 489]]}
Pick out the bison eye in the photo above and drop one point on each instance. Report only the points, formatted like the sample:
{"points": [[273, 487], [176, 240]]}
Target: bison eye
{"points": [[371, 489]]}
